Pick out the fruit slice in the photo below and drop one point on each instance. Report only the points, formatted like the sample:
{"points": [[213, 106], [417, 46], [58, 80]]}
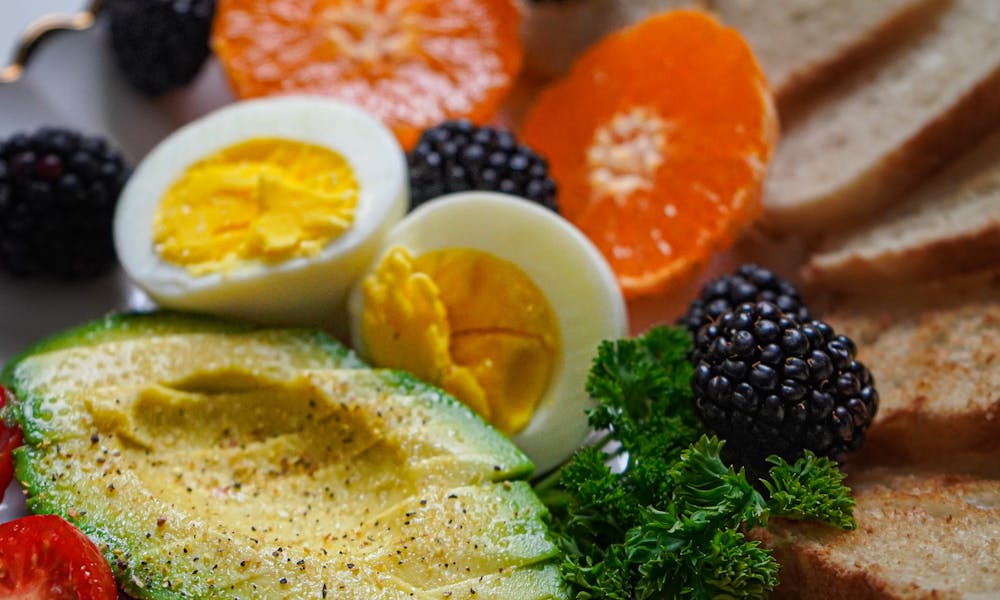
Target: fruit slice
{"points": [[43, 556], [659, 139], [10, 438], [413, 63], [219, 461]]}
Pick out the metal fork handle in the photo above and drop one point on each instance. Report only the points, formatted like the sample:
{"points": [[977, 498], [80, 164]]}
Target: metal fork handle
{"points": [[43, 28]]}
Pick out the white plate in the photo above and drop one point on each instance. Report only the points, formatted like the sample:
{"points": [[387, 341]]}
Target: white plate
{"points": [[72, 81]]}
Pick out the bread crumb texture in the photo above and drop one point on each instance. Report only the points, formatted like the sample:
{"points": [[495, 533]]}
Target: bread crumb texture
{"points": [[937, 370], [855, 148], [918, 536]]}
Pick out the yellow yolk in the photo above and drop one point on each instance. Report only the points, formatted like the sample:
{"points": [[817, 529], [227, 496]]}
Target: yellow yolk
{"points": [[468, 322], [263, 200]]}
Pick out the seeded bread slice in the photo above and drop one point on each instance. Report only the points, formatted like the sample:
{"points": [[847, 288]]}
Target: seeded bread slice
{"points": [[950, 225], [934, 351], [804, 43], [853, 150], [919, 536]]}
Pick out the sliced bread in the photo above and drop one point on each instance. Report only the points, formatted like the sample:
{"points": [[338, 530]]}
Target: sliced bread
{"points": [[948, 226], [919, 536], [804, 43], [935, 354], [855, 148]]}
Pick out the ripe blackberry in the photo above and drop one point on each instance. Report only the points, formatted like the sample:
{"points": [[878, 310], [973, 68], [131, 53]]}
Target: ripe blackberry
{"points": [[160, 45], [749, 283], [457, 156], [769, 384], [58, 191]]}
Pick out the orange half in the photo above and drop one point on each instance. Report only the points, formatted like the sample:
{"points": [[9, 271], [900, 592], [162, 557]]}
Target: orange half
{"points": [[413, 63], [659, 138]]}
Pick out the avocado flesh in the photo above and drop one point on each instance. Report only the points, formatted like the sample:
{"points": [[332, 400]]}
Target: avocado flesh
{"points": [[261, 467]]}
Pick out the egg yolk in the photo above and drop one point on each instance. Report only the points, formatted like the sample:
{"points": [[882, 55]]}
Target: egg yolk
{"points": [[263, 200], [471, 323]]}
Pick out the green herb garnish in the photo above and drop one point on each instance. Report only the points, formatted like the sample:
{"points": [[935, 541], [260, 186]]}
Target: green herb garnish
{"points": [[669, 520]]}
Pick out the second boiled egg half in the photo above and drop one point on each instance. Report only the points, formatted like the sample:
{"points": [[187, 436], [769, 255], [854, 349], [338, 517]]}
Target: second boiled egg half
{"points": [[501, 303], [265, 210]]}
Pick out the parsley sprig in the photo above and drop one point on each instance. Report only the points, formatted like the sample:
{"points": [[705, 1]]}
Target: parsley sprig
{"points": [[669, 519]]}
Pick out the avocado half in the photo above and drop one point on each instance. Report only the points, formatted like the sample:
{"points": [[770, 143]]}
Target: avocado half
{"points": [[219, 460]]}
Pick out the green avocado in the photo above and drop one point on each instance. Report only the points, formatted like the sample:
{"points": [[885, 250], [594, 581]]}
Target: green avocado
{"points": [[218, 460]]}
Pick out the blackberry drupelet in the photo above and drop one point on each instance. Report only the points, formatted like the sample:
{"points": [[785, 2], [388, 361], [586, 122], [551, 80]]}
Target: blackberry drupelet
{"points": [[769, 384], [457, 156], [750, 283], [160, 45], [58, 191]]}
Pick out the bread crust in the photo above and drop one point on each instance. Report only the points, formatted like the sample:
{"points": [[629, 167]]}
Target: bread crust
{"points": [[967, 252], [799, 84], [966, 122], [819, 183], [809, 573], [902, 513], [936, 363]]}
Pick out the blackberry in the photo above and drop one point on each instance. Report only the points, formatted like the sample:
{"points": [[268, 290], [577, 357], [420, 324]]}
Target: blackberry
{"points": [[770, 384], [750, 283], [457, 156], [58, 191], [160, 45]]}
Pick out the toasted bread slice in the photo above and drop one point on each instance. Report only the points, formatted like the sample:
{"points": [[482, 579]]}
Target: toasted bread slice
{"points": [[935, 354], [802, 44], [919, 536], [875, 133], [950, 225]]}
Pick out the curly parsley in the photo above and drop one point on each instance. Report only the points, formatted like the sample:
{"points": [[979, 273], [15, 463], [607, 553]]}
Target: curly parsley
{"points": [[669, 520]]}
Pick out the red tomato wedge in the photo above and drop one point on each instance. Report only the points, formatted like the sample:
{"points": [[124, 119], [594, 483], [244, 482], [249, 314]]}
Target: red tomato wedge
{"points": [[10, 438], [43, 557]]}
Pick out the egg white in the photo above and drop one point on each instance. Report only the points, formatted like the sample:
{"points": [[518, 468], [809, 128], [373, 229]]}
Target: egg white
{"points": [[568, 269], [305, 291]]}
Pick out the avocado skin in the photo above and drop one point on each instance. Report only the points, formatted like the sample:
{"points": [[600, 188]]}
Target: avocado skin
{"points": [[44, 497]]}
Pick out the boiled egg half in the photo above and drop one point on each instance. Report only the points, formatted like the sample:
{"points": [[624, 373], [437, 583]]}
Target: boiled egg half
{"points": [[266, 210], [501, 303]]}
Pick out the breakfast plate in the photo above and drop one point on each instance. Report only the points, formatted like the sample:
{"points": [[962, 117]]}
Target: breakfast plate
{"points": [[656, 288], [73, 82]]}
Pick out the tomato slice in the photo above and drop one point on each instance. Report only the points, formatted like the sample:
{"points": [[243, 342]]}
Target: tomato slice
{"points": [[10, 438], [43, 556]]}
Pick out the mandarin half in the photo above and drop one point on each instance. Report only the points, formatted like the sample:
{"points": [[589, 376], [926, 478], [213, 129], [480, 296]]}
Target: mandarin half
{"points": [[659, 139], [412, 63]]}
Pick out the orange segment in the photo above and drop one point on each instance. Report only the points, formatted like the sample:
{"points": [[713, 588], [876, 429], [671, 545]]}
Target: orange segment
{"points": [[413, 63], [659, 139]]}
